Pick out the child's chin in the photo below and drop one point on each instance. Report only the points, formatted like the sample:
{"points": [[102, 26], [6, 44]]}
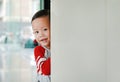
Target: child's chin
{"points": [[44, 45]]}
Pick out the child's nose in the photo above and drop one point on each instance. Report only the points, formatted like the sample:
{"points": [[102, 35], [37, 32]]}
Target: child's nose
{"points": [[40, 34]]}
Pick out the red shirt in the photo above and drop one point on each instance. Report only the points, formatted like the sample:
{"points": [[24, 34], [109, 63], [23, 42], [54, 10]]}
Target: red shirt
{"points": [[42, 58]]}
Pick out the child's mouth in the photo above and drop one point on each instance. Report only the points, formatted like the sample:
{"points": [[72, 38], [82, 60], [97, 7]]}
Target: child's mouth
{"points": [[44, 40]]}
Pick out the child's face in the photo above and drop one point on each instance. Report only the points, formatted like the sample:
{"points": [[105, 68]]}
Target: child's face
{"points": [[41, 30]]}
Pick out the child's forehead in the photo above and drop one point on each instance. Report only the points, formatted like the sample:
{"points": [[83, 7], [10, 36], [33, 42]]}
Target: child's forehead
{"points": [[43, 17], [40, 23], [41, 20]]}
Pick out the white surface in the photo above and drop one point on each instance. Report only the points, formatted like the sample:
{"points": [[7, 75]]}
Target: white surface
{"points": [[85, 40], [113, 41]]}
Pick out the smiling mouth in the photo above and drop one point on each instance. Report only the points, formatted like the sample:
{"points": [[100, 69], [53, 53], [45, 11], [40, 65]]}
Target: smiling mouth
{"points": [[44, 40]]}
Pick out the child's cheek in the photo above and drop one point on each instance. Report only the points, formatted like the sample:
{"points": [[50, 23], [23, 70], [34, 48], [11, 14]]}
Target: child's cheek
{"points": [[36, 37]]}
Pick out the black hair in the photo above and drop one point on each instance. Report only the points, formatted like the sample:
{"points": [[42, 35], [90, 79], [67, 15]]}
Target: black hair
{"points": [[41, 13]]}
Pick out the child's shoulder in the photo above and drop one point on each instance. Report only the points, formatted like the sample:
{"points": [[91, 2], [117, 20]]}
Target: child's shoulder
{"points": [[39, 48]]}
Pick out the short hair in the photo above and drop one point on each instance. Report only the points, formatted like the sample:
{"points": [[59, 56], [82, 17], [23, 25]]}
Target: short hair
{"points": [[41, 13]]}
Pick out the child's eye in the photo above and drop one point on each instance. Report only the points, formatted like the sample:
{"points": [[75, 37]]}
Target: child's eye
{"points": [[45, 29], [36, 32]]}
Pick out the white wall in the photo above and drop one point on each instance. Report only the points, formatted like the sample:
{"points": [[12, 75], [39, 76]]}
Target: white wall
{"points": [[85, 40], [113, 41]]}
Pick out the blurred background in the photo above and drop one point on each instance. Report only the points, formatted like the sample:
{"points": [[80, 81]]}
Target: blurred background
{"points": [[16, 39]]}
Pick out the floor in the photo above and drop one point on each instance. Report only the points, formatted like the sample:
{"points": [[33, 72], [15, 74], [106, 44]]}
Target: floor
{"points": [[16, 64]]}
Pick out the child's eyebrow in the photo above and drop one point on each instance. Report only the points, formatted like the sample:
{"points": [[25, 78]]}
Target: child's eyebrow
{"points": [[36, 29], [39, 28]]}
